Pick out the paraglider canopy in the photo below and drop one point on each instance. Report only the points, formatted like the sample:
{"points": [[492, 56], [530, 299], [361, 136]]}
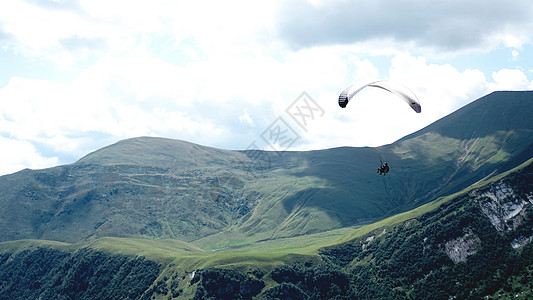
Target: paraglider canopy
{"points": [[393, 87]]}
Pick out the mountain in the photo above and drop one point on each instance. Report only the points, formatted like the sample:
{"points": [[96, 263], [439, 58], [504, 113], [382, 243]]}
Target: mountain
{"points": [[161, 188], [471, 245], [454, 218]]}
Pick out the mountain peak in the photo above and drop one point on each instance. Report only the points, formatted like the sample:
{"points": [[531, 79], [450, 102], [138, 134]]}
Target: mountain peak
{"points": [[151, 151], [497, 111]]}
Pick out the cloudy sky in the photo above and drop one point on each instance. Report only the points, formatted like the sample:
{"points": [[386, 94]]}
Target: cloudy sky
{"points": [[77, 75]]}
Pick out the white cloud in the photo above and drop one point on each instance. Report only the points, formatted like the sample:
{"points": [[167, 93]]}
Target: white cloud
{"points": [[446, 26], [506, 79], [245, 118], [16, 155], [442, 88]]}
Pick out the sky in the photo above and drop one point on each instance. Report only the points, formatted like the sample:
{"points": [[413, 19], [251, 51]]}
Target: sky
{"points": [[78, 75]]}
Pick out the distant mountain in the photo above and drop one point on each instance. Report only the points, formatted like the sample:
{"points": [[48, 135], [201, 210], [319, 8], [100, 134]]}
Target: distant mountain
{"points": [[162, 188]]}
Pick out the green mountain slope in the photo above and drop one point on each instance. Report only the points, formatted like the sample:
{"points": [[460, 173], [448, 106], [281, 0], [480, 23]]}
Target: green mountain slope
{"points": [[161, 188], [474, 244], [321, 190], [144, 187]]}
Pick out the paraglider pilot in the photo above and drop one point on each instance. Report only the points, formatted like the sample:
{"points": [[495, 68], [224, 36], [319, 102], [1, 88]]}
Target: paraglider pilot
{"points": [[384, 168]]}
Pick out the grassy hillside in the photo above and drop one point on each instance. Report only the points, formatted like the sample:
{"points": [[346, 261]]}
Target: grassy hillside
{"points": [[158, 188], [321, 190], [406, 254], [165, 250]]}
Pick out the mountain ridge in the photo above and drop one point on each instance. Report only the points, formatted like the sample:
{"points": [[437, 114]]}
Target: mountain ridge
{"points": [[162, 188], [160, 149]]}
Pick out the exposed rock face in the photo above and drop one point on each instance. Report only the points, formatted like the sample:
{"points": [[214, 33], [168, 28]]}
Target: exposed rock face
{"points": [[503, 207], [367, 242], [462, 247], [506, 207], [521, 242]]}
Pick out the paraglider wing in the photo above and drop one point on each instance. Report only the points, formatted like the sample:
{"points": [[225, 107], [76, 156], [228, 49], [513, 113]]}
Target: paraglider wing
{"points": [[347, 94], [399, 90]]}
